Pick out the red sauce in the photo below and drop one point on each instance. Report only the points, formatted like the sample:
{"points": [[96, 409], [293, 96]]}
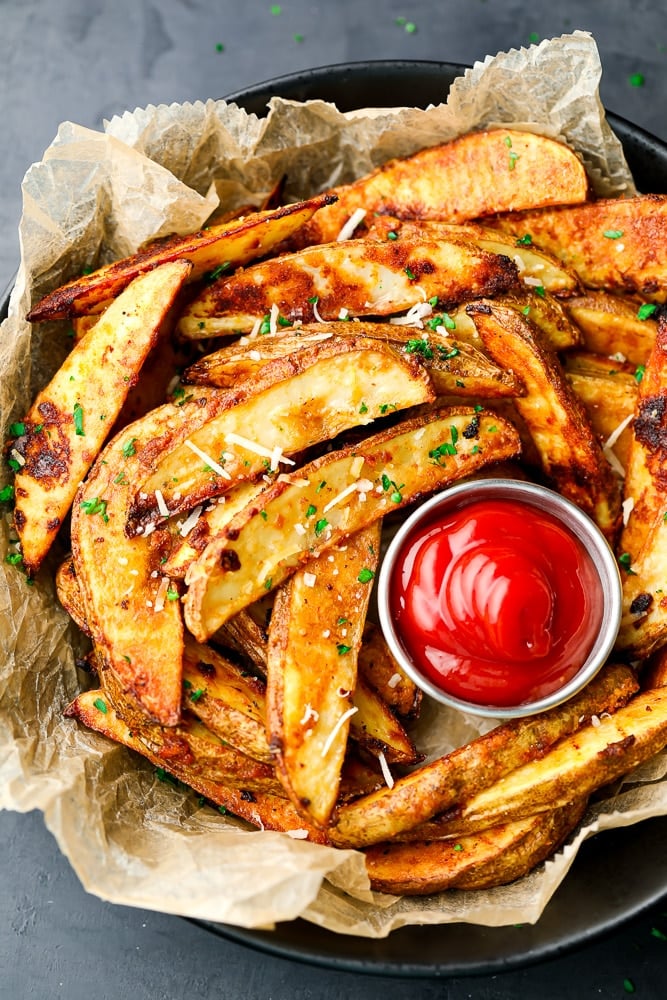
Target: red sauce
{"points": [[497, 603]]}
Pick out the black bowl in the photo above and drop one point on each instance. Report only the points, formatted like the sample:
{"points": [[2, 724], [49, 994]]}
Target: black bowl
{"points": [[615, 876]]}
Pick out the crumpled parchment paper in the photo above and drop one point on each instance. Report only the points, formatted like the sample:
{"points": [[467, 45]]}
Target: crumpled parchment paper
{"points": [[132, 838]]}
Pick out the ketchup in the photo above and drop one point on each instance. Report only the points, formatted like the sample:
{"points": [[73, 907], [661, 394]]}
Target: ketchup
{"points": [[496, 602]]}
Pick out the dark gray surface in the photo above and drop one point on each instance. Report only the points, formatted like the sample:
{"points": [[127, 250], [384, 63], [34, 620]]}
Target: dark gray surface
{"points": [[84, 61]]}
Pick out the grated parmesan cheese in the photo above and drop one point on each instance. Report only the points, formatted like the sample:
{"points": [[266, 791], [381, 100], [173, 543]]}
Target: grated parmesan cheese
{"points": [[190, 521], [309, 713], [348, 229], [309, 579], [384, 767], [357, 465], [273, 319], [161, 594], [336, 729], [533, 282], [17, 456], [352, 488], [255, 355], [207, 458], [296, 834], [394, 681], [300, 529], [316, 312], [414, 315], [344, 313], [257, 449], [255, 329], [616, 433], [628, 506], [161, 505]]}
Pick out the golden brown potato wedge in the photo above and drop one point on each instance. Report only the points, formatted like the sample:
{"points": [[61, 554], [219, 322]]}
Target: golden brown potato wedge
{"points": [[481, 860], [604, 749], [381, 671], [569, 450], [292, 405], [314, 638], [69, 594], [453, 366], [261, 547], [536, 268], [358, 277], [644, 482], [644, 623], [504, 170], [70, 419], [612, 325], [609, 395], [230, 703], [615, 244], [377, 729], [215, 249], [266, 810], [132, 608], [457, 777]]}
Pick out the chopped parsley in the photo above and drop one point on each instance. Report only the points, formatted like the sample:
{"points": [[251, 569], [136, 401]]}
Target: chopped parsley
{"points": [[513, 157], [613, 234], [128, 447], [636, 79], [172, 593], [314, 299], [446, 448], [6, 493], [77, 414], [276, 9], [386, 407], [444, 319], [95, 506], [524, 241], [217, 272], [100, 705], [639, 373], [16, 430], [268, 583], [343, 621], [342, 648], [197, 694], [219, 47], [646, 310], [625, 560], [391, 235], [312, 509], [411, 274], [321, 486], [320, 526], [363, 408], [417, 345], [14, 558], [365, 575], [263, 515], [526, 310], [265, 326]]}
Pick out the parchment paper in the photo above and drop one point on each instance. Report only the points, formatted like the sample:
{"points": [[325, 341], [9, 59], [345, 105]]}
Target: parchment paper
{"points": [[131, 838]]}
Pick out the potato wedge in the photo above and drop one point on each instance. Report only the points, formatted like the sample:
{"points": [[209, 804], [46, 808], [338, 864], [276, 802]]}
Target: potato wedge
{"points": [[491, 857], [536, 268], [220, 247], [381, 671], [613, 325], [69, 594], [570, 453], [377, 730], [131, 607], [70, 419], [644, 481], [414, 458], [453, 366], [312, 669], [457, 777], [263, 809], [297, 401], [615, 244], [362, 277], [609, 395], [502, 167], [644, 623], [230, 703], [593, 756]]}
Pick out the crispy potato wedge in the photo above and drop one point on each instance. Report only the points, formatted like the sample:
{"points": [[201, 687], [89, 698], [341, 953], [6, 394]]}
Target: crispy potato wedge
{"points": [[229, 702], [220, 247], [616, 244], [246, 636], [569, 450], [502, 167], [203, 523], [544, 311], [312, 669], [263, 809], [537, 269], [377, 729], [296, 402], [415, 458], [70, 419], [457, 777], [381, 671], [454, 366], [644, 623], [69, 594], [612, 325], [593, 756], [645, 479], [609, 395], [481, 860], [362, 277]]}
